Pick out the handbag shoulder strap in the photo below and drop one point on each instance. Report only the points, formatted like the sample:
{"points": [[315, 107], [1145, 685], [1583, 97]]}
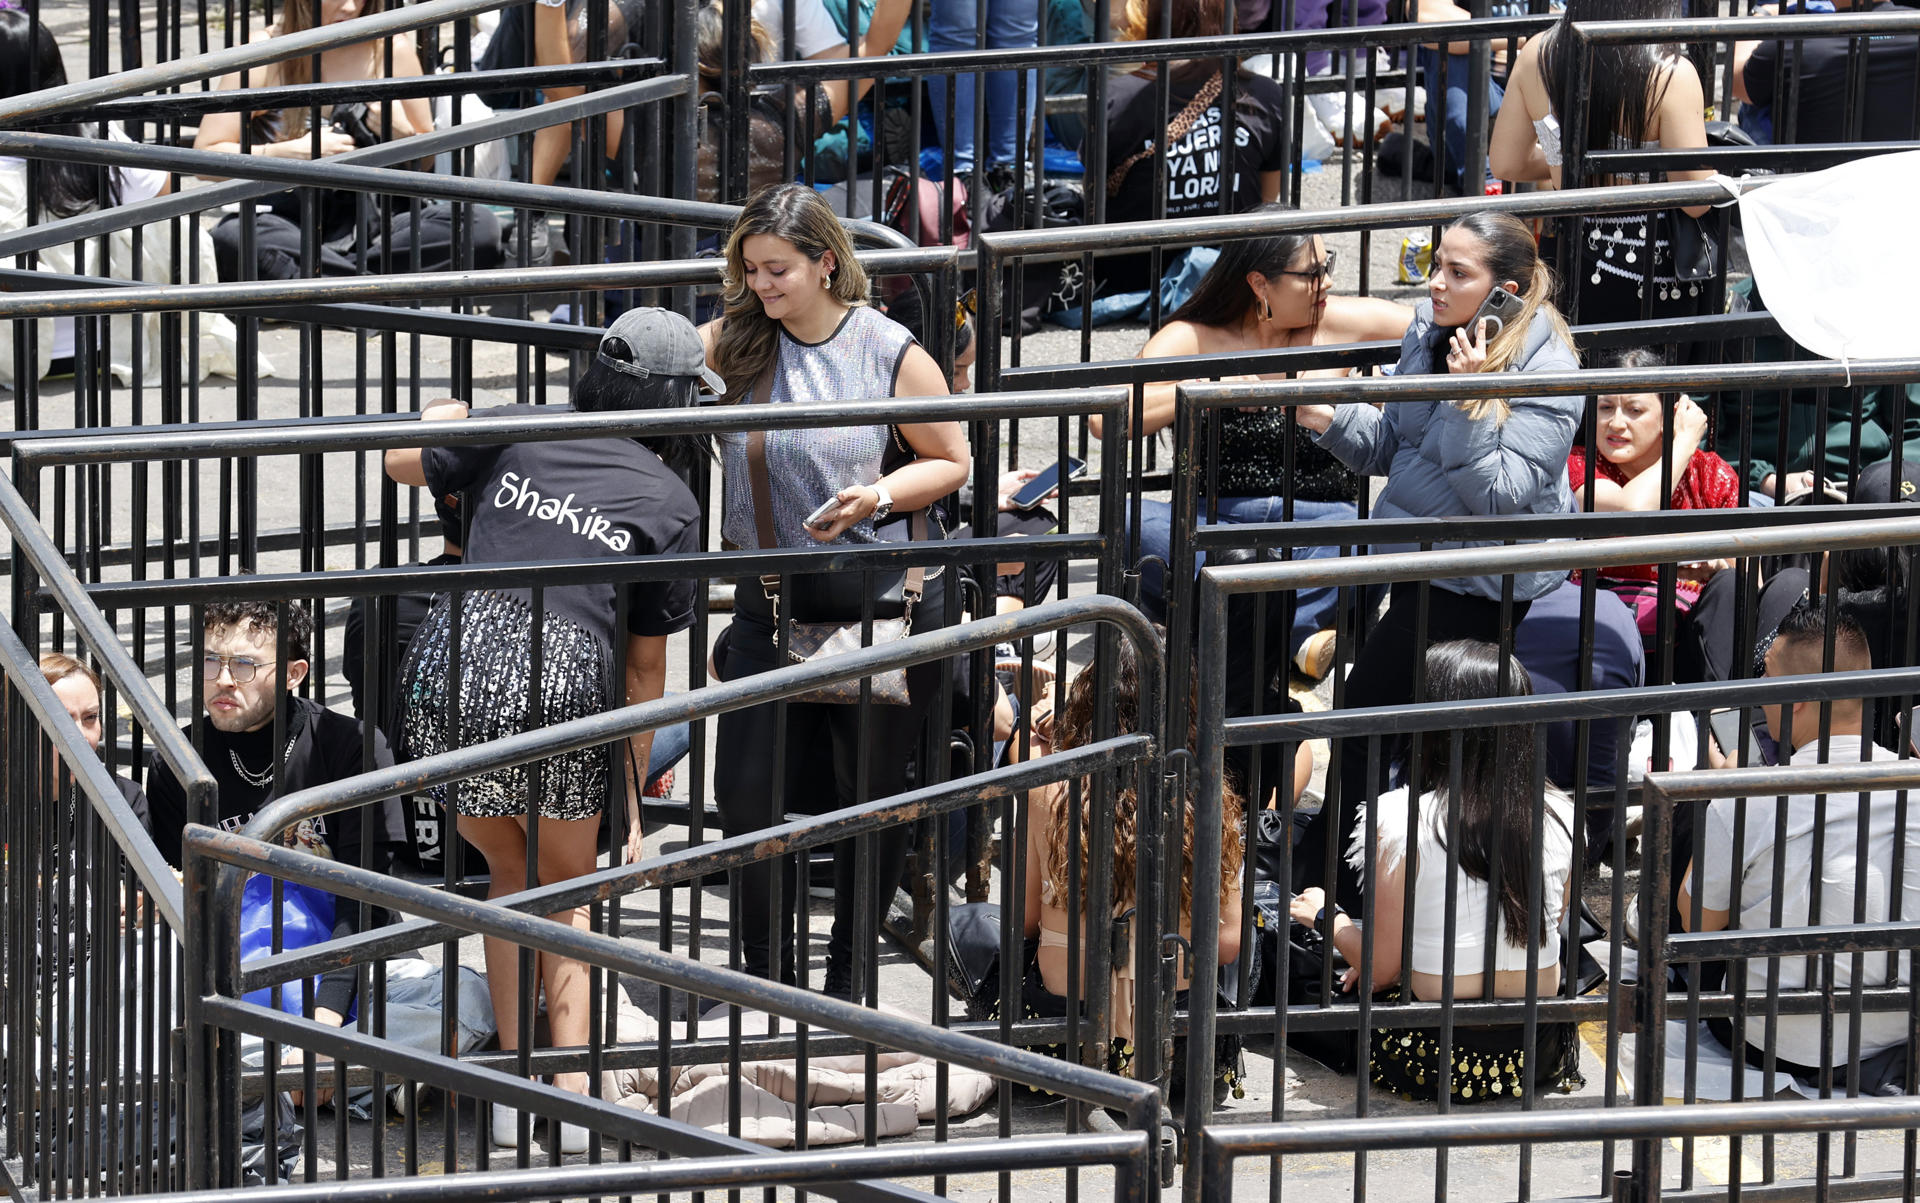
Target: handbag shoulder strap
{"points": [[916, 575], [762, 488], [1176, 130]]}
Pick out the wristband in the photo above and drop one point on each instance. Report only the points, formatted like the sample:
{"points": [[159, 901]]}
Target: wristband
{"points": [[1321, 915]]}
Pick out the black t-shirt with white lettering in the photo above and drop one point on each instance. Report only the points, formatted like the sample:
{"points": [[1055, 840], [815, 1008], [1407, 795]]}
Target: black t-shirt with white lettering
{"points": [[1821, 113], [570, 500], [1193, 161]]}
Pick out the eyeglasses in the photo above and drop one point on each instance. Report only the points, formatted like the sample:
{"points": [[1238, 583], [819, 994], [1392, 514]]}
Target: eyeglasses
{"points": [[242, 668], [963, 312], [1322, 270]]}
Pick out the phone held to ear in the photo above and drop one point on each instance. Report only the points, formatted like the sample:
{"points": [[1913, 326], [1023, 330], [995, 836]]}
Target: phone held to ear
{"points": [[1497, 310]]}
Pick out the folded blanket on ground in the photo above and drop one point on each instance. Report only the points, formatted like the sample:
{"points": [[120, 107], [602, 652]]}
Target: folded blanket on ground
{"points": [[834, 1109]]}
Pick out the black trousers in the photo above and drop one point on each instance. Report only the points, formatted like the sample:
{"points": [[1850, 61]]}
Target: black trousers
{"points": [[818, 773], [1384, 674], [277, 243]]}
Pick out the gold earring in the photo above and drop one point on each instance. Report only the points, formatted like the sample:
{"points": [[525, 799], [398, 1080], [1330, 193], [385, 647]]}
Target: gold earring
{"points": [[1266, 308]]}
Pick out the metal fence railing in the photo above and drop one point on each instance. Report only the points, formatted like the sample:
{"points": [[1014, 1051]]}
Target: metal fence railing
{"points": [[1222, 1147], [1545, 994]]}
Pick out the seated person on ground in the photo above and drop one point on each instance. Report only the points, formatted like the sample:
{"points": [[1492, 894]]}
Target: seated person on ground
{"points": [[1196, 123], [767, 109], [423, 234], [555, 33], [78, 688], [245, 686], [816, 36], [1503, 797], [1627, 472], [1856, 881], [1050, 859], [1871, 582], [1263, 294], [30, 60], [1643, 96]]}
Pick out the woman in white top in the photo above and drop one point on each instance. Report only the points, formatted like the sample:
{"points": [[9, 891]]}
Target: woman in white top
{"points": [[1492, 823], [1643, 96]]}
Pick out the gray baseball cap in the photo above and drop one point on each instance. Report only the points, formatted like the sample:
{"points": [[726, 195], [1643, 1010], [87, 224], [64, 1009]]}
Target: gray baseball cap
{"points": [[662, 344]]}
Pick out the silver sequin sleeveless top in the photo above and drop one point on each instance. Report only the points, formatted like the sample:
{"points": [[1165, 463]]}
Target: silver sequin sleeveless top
{"points": [[858, 361]]}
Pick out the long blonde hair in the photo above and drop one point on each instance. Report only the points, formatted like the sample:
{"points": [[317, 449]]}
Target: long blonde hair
{"points": [[1512, 254], [748, 337]]}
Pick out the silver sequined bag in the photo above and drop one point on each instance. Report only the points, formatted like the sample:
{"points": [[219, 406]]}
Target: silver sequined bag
{"points": [[809, 641]]}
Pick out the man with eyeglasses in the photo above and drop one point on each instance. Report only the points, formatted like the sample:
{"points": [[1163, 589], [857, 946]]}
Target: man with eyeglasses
{"points": [[244, 680]]}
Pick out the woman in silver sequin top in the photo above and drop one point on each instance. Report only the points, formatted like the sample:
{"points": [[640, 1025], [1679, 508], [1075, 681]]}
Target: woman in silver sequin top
{"points": [[797, 329]]}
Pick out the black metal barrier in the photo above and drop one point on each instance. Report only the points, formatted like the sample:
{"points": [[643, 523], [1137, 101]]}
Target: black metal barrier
{"points": [[1221, 1147], [33, 456], [217, 973], [1125, 1152], [1544, 992]]}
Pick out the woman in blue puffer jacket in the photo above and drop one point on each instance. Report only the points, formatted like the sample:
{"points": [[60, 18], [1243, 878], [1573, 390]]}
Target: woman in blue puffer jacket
{"points": [[1446, 458]]}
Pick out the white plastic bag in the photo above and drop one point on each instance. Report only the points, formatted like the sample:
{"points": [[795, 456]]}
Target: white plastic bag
{"points": [[1819, 248]]}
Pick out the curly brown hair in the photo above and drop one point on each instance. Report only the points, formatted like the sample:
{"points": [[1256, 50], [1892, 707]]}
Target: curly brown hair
{"points": [[1072, 728]]}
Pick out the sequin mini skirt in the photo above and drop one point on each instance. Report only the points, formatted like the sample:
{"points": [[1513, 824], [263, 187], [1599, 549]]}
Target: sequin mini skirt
{"points": [[1488, 1063], [496, 661]]}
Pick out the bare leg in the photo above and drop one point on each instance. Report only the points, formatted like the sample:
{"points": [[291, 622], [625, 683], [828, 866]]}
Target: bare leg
{"points": [[568, 850], [503, 842]]}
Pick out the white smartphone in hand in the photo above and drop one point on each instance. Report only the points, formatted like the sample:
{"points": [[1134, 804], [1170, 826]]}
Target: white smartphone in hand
{"points": [[822, 518]]}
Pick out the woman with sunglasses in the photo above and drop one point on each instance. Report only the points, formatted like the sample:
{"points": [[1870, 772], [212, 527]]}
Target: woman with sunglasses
{"points": [[1262, 294]]}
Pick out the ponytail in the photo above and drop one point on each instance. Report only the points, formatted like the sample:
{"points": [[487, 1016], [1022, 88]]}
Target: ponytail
{"points": [[1512, 255]]}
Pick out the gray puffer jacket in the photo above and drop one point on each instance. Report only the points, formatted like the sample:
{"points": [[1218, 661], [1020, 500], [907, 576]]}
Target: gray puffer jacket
{"points": [[1439, 462]]}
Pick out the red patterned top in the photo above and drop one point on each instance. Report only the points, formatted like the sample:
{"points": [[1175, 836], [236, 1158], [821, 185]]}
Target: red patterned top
{"points": [[1709, 483]]}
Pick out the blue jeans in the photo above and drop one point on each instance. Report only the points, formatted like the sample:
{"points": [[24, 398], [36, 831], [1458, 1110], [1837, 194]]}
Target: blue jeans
{"points": [[1454, 120], [1313, 608], [954, 25], [670, 747]]}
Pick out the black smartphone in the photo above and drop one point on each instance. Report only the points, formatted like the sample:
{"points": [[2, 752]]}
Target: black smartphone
{"points": [[1498, 309], [822, 518], [1036, 490], [1727, 731]]}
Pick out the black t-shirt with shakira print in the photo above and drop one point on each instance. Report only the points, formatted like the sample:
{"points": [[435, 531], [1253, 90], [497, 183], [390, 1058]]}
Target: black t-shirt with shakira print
{"points": [[576, 500], [1194, 160]]}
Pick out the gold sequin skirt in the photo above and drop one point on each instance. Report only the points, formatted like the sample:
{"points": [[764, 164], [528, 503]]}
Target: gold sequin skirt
{"points": [[1488, 1063]]}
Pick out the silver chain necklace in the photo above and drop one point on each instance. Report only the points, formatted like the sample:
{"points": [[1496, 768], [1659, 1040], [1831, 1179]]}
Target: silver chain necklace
{"points": [[261, 780]]}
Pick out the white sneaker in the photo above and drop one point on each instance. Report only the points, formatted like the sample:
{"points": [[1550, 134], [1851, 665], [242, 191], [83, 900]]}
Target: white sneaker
{"points": [[506, 1126], [573, 1138], [1347, 123]]}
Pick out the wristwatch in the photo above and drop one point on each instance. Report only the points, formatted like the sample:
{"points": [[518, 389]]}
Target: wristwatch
{"points": [[884, 505]]}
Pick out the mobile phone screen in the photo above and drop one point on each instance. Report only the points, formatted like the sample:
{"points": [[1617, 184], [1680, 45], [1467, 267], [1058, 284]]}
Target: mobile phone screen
{"points": [[1035, 491]]}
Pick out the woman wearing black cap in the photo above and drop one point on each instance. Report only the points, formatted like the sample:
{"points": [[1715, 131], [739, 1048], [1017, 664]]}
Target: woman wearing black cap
{"points": [[575, 499]]}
